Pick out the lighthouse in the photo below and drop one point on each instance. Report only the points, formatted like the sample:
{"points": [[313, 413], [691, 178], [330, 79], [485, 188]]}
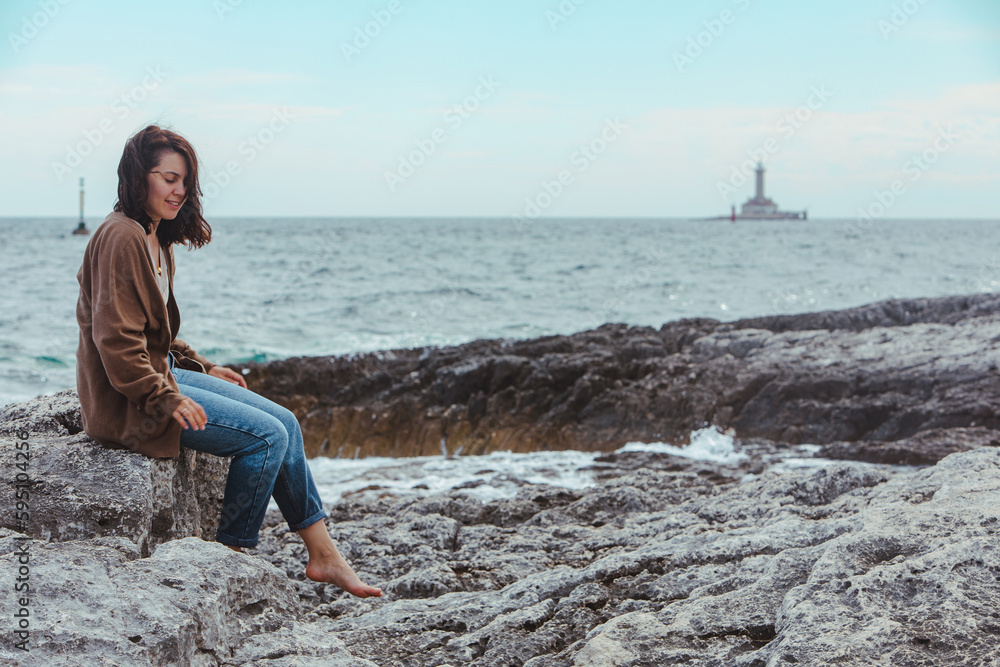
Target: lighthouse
{"points": [[762, 208], [81, 227], [759, 207]]}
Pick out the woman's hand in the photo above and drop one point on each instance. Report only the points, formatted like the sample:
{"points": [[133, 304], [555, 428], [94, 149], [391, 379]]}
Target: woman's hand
{"points": [[229, 375], [190, 413]]}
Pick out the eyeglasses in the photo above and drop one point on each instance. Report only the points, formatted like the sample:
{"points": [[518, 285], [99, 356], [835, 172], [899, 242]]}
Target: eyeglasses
{"points": [[174, 174]]}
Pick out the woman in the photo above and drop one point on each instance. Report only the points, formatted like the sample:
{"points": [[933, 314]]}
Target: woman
{"points": [[144, 389]]}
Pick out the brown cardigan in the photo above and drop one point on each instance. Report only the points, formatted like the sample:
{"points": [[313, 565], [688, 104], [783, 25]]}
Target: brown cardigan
{"points": [[127, 392]]}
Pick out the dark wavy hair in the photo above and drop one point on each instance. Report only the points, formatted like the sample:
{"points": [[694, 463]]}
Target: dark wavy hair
{"points": [[142, 153]]}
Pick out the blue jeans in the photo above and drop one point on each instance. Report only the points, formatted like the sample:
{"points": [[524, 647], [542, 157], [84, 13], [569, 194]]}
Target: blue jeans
{"points": [[265, 443]]}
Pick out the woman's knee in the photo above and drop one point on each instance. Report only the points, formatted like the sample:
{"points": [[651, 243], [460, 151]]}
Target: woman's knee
{"points": [[276, 436], [288, 420]]}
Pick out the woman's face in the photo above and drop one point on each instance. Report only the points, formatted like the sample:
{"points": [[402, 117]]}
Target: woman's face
{"points": [[166, 187]]}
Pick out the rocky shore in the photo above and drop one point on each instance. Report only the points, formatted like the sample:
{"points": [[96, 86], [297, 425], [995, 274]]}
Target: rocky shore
{"points": [[665, 560]]}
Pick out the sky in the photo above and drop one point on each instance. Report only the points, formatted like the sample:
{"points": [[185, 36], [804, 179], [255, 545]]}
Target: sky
{"points": [[511, 108]]}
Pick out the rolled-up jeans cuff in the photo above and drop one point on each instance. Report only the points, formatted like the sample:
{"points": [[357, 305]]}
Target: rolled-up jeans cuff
{"points": [[231, 541], [318, 516]]}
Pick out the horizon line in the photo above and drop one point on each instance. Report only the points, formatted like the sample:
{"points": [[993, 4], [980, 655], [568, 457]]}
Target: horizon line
{"points": [[76, 219]]}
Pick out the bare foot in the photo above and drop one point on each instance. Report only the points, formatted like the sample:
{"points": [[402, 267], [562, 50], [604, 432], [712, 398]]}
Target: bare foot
{"points": [[326, 565], [236, 549], [331, 568]]}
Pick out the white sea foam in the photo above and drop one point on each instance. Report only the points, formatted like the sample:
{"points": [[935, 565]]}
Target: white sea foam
{"points": [[707, 444], [488, 477], [500, 475], [493, 476]]}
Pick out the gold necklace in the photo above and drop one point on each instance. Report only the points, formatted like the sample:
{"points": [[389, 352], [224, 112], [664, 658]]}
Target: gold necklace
{"points": [[159, 268]]}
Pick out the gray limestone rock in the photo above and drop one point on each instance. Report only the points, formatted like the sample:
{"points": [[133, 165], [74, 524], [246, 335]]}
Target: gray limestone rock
{"points": [[97, 602], [77, 489], [847, 563], [191, 603]]}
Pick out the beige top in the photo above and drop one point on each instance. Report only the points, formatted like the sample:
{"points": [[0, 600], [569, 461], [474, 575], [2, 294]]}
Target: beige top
{"points": [[162, 278]]}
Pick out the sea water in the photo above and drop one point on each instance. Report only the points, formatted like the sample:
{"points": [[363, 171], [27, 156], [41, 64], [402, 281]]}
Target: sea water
{"points": [[268, 288]]}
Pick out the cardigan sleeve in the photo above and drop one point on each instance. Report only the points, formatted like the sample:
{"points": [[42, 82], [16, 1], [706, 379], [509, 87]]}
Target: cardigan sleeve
{"points": [[118, 332], [185, 350]]}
